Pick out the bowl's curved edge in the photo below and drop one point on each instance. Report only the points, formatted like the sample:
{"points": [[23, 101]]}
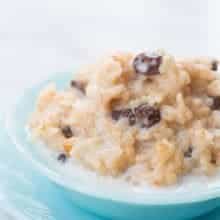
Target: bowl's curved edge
{"points": [[181, 198]]}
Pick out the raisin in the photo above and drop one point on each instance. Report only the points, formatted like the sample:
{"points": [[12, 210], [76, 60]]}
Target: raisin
{"points": [[127, 113], [67, 131], [152, 119], [142, 110], [188, 152], [213, 161], [213, 158], [62, 157], [78, 85], [130, 115], [148, 115], [147, 64], [216, 103], [116, 114], [214, 66], [132, 119]]}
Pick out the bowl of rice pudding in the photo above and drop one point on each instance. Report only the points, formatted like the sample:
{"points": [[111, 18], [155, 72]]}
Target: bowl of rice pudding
{"points": [[133, 136]]}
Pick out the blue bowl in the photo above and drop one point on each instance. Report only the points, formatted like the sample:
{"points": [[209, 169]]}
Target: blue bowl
{"points": [[105, 198]]}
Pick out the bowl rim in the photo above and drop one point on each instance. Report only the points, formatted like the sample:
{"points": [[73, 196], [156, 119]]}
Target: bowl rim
{"points": [[185, 197]]}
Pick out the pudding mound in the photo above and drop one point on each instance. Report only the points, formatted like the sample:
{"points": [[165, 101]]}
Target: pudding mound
{"points": [[149, 115]]}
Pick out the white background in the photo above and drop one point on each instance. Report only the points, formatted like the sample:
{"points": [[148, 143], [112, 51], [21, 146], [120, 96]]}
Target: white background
{"points": [[39, 37]]}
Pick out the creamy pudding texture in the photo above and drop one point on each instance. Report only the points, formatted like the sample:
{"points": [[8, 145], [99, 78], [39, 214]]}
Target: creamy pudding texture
{"points": [[150, 114]]}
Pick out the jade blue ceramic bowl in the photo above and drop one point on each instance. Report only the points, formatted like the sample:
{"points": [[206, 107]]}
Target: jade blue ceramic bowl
{"points": [[106, 198]]}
